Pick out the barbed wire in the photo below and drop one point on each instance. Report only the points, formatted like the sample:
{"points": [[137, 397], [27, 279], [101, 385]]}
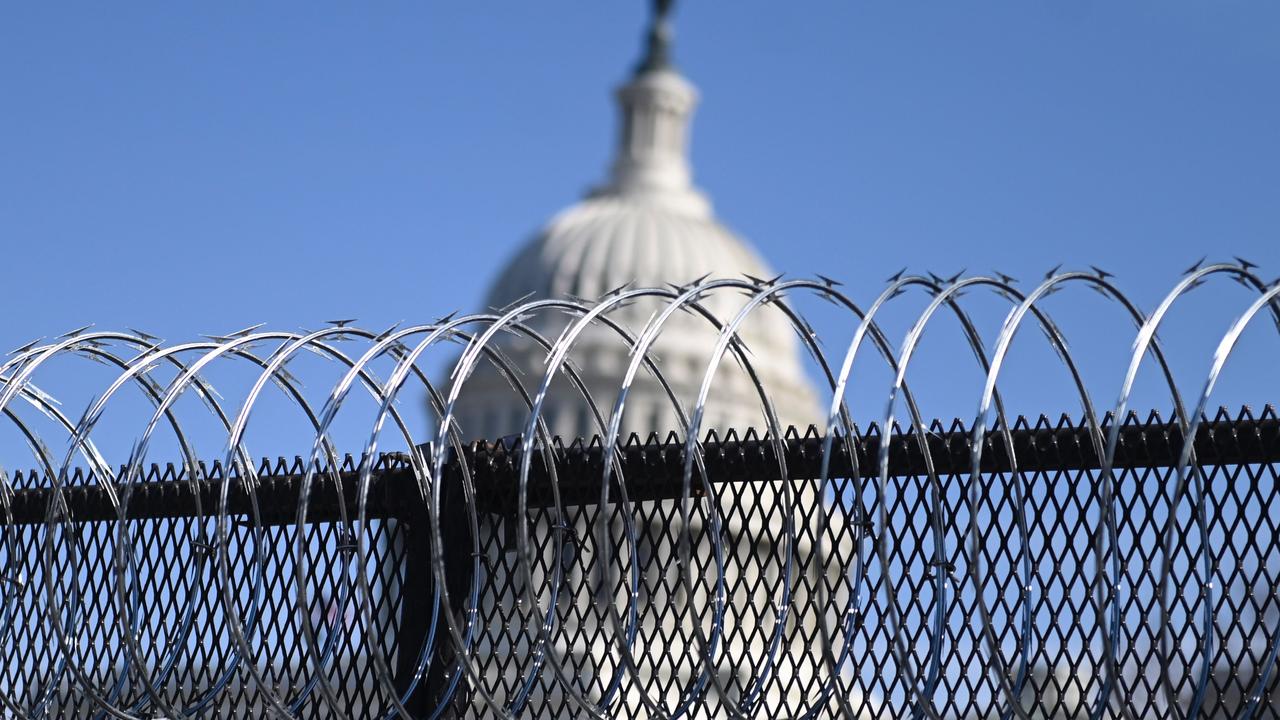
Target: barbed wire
{"points": [[230, 563]]}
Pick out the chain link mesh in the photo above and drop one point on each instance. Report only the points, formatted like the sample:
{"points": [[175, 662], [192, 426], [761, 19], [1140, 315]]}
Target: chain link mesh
{"points": [[1038, 576]]}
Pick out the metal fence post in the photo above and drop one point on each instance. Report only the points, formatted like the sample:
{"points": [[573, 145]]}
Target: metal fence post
{"points": [[418, 595]]}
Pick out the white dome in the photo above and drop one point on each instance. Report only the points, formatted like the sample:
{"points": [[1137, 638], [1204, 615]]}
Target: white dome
{"points": [[648, 226], [609, 240]]}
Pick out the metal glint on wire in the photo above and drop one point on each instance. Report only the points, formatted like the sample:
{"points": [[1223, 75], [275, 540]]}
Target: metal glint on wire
{"points": [[993, 569]]}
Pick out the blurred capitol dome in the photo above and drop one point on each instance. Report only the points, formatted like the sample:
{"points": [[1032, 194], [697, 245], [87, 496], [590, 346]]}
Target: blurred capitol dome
{"points": [[650, 227]]}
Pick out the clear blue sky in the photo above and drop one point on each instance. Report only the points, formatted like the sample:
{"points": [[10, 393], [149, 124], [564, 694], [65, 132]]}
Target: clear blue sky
{"points": [[190, 169]]}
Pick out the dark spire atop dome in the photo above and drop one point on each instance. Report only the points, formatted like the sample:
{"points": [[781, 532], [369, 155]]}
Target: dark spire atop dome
{"points": [[657, 52]]}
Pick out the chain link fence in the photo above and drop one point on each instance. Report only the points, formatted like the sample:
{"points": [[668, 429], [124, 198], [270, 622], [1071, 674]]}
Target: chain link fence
{"points": [[876, 600], [1105, 566]]}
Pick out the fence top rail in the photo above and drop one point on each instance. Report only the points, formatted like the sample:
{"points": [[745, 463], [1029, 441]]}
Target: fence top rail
{"points": [[653, 467]]}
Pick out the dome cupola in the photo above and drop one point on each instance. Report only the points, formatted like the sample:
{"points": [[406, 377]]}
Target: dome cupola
{"points": [[648, 225], [656, 105]]}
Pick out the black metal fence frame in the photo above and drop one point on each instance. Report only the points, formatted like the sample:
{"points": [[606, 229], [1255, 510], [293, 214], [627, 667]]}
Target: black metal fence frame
{"points": [[653, 470]]}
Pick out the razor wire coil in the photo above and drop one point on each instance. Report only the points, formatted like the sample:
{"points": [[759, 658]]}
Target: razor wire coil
{"points": [[934, 576]]}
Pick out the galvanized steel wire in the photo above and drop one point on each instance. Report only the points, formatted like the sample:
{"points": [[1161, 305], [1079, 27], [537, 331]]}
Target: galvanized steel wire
{"points": [[137, 675]]}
